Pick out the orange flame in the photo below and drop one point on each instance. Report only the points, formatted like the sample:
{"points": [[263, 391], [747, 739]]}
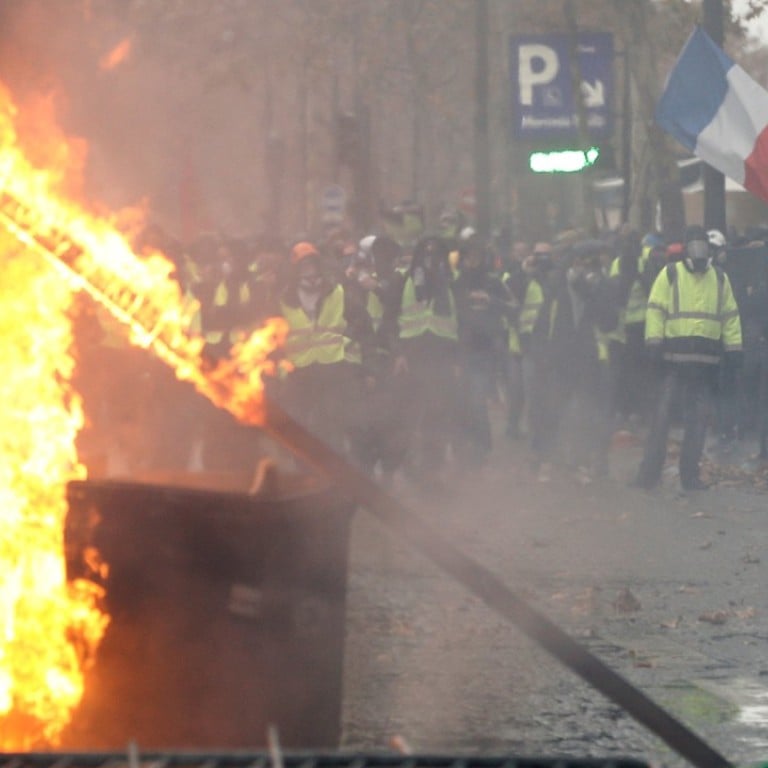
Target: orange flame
{"points": [[49, 629], [117, 55], [40, 614]]}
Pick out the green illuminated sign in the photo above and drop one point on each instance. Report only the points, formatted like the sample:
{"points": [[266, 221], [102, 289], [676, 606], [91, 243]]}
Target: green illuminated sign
{"points": [[563, 161]]}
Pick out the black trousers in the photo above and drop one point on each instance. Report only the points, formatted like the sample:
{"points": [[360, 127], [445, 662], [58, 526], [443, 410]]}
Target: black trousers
{"points": [[687, 391]]}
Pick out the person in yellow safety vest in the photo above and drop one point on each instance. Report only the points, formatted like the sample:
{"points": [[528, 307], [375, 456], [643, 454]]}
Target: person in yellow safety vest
{"points": [[484, 308], [378, 439], [426, 367], [532, 327], [515, 280], [266, 255], [326, 329], [220, 283], [629, 269], [692, 325], [583, 309]]}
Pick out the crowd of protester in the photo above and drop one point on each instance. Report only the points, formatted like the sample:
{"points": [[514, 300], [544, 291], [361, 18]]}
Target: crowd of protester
{"points": [[415, 358]]}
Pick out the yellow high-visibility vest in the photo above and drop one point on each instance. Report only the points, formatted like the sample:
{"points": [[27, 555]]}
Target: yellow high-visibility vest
{"points": [[375, 310], [513, 337], [321, 341], [418, 318], [637, 302], [693, 314], [532, 304]]}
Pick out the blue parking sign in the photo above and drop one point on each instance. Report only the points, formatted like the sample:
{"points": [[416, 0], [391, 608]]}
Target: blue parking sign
{"points": [[542, 85]]}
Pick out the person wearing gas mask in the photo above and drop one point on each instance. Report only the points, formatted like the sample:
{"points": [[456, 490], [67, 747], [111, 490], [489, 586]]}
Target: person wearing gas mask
{"points": [[484, 306], [692, 325], [326, 332], [533, 328], [426, 366]]}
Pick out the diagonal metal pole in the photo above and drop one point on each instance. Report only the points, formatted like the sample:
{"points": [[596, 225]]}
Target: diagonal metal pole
{"points": [[356, 486]]}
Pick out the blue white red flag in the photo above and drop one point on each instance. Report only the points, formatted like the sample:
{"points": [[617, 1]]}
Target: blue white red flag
{"points": [[716, 110]]}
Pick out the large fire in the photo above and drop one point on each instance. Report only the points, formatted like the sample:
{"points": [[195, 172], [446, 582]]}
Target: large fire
{"points": [[53, 247], [47, 627]]}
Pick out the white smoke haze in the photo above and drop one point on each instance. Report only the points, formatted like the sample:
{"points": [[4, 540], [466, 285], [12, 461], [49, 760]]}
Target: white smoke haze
{"points": [[181, 123], [185, 119]]}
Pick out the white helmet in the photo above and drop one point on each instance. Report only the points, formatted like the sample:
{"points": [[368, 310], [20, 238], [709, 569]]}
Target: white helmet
{"points": [[364, 247], [716, 238]]}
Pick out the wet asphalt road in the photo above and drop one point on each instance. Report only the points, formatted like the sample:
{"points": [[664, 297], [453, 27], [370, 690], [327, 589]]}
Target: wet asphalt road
{"points": [[667, 589]]}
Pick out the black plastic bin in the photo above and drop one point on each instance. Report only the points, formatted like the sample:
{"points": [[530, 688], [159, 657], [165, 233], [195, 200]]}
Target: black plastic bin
{"points": [[227, 614]]}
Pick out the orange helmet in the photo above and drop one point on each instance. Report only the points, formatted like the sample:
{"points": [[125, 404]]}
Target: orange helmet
{"points": [[675, 251], [302, 250]]}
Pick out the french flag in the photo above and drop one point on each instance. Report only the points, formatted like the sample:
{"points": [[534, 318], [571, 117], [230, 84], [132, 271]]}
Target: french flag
{"points": [[716, 110]]}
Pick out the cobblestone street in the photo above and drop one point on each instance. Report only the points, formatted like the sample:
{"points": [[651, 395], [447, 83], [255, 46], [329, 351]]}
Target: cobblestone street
{"points": [[666, 589]]}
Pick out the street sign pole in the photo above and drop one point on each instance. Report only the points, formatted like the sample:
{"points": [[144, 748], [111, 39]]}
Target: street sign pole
{"points": [[482, 134]]}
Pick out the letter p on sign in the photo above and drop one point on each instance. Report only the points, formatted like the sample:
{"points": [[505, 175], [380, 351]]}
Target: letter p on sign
{"points": [[537, 65]]}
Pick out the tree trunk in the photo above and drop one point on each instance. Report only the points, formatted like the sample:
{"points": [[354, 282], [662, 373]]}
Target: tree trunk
{"points": [[664, 173]]}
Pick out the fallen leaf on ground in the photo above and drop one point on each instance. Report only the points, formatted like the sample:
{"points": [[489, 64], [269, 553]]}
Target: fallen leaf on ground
{"points": [[626, 602], [714, 617]]}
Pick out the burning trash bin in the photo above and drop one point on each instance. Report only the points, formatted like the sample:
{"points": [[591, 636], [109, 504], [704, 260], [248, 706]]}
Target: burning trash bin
{"points": [[226, 612]]}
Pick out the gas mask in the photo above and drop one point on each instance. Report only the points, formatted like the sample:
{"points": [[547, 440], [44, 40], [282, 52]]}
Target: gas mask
{"points": [[697, 255]]}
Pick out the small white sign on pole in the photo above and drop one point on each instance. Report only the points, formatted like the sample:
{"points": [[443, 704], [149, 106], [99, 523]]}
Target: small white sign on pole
{"points": [[333, 204]]}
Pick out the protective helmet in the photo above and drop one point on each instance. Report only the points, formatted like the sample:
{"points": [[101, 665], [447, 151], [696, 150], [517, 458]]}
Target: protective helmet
{"points": [[303, 250], [675, 251], [467, 233], [364, 247], [716, 238], [652, 239]]}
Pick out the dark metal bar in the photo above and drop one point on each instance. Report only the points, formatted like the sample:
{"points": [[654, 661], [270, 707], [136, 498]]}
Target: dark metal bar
{"points": [[302, 759], [476, 578]]}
